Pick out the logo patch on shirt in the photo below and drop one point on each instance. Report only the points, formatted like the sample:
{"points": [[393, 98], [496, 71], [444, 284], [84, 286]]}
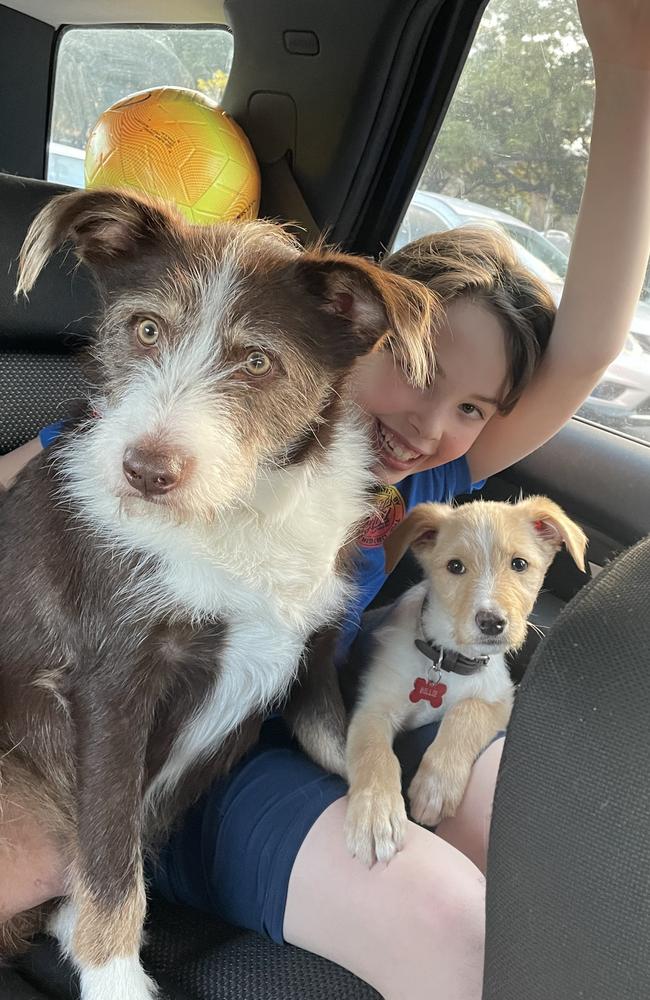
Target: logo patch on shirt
{"points": [[389, 511]]}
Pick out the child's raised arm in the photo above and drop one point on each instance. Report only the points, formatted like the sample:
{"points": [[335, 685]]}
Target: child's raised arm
{"points": [[611, 244]]}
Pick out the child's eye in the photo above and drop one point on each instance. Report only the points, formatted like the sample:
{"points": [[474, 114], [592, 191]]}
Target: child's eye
{"points": [[471, 410]]}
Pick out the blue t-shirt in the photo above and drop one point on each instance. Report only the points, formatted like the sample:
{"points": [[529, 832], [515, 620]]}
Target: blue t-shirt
{"points": [[392, 503], [48, 434], [438, 485]]}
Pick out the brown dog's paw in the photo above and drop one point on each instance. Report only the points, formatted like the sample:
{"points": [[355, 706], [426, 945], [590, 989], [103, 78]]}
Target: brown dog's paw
{"points": [[437, 789], [375, 825]]}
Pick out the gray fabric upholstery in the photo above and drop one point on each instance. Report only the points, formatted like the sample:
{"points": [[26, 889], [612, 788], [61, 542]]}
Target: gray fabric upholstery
{"points": [[568, 902], [194, 957], [40, 339]]}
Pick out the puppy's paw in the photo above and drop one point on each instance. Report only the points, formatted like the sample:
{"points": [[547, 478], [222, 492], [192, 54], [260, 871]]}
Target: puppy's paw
{"points": [[437, 789], [375, 825]]}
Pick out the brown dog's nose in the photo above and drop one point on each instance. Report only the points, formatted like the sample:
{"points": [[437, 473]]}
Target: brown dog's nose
{"points": [[151, 473], [490, 623]]}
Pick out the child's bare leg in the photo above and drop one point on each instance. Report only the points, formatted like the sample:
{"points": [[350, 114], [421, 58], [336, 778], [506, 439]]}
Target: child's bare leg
{"points": [[413, 929], [11, 464], [469, 829], [32, 871]]}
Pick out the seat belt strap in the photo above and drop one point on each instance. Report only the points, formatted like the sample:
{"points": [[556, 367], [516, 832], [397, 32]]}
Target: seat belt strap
{"points": [[281, 196]]}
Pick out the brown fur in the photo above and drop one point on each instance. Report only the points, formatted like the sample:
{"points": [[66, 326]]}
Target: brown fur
{"points": [[103, 933], [94, 686]]}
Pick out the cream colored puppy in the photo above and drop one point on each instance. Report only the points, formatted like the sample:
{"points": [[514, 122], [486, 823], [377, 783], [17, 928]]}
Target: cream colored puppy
{"points": [[440, 654]]}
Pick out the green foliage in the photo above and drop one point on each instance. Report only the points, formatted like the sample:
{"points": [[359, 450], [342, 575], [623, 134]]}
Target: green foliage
{"points": [[516, 136], [214, 86]]}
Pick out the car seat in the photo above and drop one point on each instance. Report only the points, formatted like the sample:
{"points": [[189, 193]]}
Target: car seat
{"points": [[568, 891]]}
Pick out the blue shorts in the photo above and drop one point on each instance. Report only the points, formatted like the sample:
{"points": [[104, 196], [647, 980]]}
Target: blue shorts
{"points": [[234, 853], [235, 850]]}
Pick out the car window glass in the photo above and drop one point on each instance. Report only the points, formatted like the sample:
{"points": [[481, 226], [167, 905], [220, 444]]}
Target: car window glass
{"points": [[512, 151], [423, 221], [97, 66]]}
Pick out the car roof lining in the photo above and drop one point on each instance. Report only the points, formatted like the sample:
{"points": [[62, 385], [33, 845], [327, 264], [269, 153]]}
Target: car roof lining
{"points": [[62, 12]]}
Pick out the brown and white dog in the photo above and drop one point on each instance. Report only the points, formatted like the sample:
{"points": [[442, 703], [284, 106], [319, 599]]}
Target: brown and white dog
{"points": [[440, 655], [165, 565]]}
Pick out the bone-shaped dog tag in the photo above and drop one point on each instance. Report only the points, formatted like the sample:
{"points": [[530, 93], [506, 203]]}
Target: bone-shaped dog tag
{"points": [[424, 690]]}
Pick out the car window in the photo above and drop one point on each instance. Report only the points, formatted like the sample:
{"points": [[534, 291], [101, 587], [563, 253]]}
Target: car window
{"points": [[417, 222], [540, 247], [97, 66], [513, 151], [536, 264]]}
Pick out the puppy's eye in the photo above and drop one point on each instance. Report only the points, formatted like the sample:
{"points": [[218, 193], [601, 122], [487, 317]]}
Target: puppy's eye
{"points": [[456, 567], [519, 565], [147, 332], [258, 363]]}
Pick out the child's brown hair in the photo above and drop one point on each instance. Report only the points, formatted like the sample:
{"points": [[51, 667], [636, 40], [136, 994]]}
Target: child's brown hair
{"points": [[480, 263]]}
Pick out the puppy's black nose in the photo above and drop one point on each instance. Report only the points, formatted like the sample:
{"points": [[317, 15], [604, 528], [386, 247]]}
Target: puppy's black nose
{"points": [[151, 473], [490, 623]]}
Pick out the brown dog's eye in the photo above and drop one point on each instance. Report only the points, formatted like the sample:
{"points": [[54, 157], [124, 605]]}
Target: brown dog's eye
{"points": [[519, 565], [258, 363], [456, 567], [147, 332]]}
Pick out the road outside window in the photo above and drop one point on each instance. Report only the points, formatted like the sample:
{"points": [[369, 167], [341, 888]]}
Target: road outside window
{"points": [[513, 152]]}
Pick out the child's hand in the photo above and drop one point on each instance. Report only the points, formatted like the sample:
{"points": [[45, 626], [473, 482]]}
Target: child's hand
{"points": [[618, 32]]}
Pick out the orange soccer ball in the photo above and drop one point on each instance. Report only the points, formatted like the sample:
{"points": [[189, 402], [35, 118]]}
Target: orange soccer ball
{"points": [[180, 146]]}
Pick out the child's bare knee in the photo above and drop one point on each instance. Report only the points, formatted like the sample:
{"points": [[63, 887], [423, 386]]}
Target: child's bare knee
{"points": [[455, 902]]}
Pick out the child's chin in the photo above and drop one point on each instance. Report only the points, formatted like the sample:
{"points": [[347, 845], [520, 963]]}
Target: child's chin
{"points": [[387, 476]]}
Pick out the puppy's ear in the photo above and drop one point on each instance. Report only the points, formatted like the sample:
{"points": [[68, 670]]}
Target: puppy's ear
{"points": [[554, 528], [379, 308], [106, 227], [418, 530]]}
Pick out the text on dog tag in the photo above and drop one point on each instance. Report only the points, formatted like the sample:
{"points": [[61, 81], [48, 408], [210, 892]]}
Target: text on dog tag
{"points": [[424, 690]]}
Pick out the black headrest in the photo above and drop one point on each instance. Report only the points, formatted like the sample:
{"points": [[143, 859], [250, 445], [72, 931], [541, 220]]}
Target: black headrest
{"points": [[63, 302]]}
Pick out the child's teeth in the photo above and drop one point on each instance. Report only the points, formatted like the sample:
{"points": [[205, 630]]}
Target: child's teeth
{"points": [[403, 454]]}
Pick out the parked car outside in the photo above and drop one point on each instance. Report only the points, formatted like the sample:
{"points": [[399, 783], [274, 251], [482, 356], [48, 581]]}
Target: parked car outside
{"points": [[65, 165], [559, 238], [622, 397]]}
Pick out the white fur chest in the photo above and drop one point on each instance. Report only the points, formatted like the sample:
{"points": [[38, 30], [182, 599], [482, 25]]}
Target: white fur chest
{"points": [[397, 665], [487, 684], [255, 668], [272, 594], [267, 568]]}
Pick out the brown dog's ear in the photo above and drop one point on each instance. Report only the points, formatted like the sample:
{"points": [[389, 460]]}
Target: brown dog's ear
{"points": [[380, 308], [419, 528], [104, 226], [552, 525]]}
